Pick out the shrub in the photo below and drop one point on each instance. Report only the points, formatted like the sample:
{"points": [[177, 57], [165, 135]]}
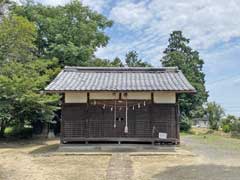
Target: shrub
{"points": [[214, 125], [15, 132], [8, 131], [185, 126], [25, 132], [236, 126], [226, 128], [235, 130]]}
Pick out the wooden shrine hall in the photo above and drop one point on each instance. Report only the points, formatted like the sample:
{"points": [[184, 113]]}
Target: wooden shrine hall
{"points": [[120, 104]]}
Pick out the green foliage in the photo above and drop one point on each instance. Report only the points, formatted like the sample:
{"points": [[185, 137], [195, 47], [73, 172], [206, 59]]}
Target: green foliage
{"points": [[214, 113], [72, 33], [235, 131], [9, 132], [185, 124], [15, 132], [132, 60], [20, 97], [179, 54], [228, 122], [231, 124], [226, 128], [17, 36], [117, 62], [97, 62]]}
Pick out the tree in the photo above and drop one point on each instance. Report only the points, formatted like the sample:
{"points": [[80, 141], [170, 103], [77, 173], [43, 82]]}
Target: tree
{"points": [[117, 62], [235, 128], [132, 60], [22, 76], [72, 33], [229, 119], [20, 97], [179, 54], [228, 122], [17, 36], [214, 112], [98, 62]]}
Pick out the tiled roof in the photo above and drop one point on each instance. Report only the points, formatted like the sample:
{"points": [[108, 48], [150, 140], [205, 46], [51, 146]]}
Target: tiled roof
{"points": [[120, 79]]}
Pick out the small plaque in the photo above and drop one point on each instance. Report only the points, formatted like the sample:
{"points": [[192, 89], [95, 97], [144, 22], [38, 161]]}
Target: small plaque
{"points": [[162, 135]]}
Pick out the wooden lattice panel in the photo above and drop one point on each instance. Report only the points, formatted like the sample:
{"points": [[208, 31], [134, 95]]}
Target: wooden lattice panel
{"points": [[95, 121]]}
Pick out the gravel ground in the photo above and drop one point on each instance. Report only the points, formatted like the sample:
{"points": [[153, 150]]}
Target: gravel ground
{"points": [[214, 159]]}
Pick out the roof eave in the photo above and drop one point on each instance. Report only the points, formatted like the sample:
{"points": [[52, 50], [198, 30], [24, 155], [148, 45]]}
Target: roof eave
{"points": [[176, 91]]}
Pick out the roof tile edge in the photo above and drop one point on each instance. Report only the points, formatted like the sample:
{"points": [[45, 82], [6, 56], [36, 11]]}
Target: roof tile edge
{"points": [[155, 69]]}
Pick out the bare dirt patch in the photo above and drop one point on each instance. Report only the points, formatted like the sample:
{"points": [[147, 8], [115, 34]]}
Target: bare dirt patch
{"points": [[31, 161], [22, 166], [149, 166]]}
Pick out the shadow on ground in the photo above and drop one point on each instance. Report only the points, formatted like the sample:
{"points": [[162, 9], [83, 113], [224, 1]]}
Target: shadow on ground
{"points": [[45, 149], [127, 148], [20, 143], [200, 172]]}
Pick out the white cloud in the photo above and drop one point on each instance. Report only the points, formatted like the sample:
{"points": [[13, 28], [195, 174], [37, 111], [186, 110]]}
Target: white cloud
{"points": [[96, 5], [113, 50], [53, 2], [205, 22], [133, 15]]}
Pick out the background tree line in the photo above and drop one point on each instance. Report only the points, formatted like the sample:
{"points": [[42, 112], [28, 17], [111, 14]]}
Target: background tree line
{"points": [[36, 41]]}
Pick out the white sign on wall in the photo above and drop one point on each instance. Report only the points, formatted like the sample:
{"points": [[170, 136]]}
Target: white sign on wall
{"points": [[162, 135]]}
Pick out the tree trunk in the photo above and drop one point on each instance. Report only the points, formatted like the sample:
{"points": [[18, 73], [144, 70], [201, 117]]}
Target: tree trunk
{"points": [[21, 123], [2, 128]]}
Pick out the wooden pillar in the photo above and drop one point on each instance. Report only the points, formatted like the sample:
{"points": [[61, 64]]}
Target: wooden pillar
{"points": [[177, 117], [62, 119], [152, 97], [151, 118]]}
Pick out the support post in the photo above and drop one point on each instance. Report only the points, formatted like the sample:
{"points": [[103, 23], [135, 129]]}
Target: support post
{"points": [[62, 119], [126, 118]]}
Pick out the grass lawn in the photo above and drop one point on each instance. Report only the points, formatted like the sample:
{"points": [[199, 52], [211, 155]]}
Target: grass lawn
{"points": [[219, 141], [215, 138]]}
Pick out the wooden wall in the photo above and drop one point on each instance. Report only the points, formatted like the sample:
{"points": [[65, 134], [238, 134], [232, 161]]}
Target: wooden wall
{"points": [[92, 121]]}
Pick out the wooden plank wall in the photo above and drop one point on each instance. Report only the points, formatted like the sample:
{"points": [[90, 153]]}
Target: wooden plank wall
{"points": [[81, 120]]}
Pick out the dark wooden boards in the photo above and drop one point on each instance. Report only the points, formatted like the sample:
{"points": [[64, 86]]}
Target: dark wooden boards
{"points": [[82, 121]]}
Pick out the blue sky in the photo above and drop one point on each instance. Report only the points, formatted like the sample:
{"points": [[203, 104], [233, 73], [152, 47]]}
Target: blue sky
{"points": [[212, 25]]}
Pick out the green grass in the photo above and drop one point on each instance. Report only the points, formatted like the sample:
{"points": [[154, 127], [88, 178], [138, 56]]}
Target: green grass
{"points": [[218, 141], [184, 133]]}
